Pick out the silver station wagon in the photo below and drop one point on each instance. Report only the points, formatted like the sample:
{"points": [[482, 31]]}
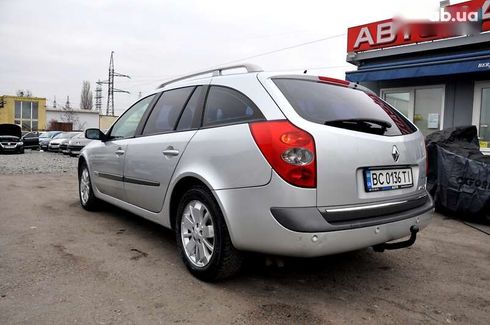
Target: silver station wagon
{"points": [[289, 165]]}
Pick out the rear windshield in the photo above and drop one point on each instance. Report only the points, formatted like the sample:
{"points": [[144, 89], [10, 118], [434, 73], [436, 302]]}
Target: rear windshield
{"points": [[343, 107]]}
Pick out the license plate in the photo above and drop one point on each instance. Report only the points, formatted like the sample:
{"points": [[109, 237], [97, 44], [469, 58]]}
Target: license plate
{"points": [[387, 179]]}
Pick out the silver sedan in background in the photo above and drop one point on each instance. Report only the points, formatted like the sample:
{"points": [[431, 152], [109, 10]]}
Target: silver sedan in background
{"points": [[58, 140], [76, 144]]}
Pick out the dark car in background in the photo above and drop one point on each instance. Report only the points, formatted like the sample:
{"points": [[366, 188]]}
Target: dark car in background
{"points": [[45, 138], [11, 138], [30, 140]]}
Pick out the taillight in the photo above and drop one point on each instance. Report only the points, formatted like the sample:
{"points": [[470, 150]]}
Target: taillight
{"points": [[339, 82], [289, 150]]}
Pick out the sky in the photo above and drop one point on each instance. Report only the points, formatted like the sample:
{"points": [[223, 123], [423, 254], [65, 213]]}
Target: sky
{"points": [[49, 47]]}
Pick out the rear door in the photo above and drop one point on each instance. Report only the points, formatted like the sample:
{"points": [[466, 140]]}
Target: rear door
{"points": [[107, 160], [152, 157], [366, 150]]}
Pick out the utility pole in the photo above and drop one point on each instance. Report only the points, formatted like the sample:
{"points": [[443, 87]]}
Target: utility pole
{"points": [[111, 90], [67, 104], [98, 96]]}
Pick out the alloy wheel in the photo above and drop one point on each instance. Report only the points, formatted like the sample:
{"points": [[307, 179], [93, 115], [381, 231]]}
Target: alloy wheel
{"points": [[84, 186], [197, 233]]}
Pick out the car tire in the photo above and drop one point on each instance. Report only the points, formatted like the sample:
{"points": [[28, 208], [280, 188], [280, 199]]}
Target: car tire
{"points": [[21, 150], [207, 219], [88, 201]]}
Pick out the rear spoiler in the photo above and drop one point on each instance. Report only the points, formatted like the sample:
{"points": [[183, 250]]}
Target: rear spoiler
{"points": [[328, 80]]}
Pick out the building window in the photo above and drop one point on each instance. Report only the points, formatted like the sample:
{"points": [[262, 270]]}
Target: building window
{"points": [[424, 106], [26, 115]]}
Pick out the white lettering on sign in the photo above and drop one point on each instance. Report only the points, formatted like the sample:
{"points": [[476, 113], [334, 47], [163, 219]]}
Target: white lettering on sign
{"points": [[364, 36], [386, 33], [484, 65], [486, 10]]}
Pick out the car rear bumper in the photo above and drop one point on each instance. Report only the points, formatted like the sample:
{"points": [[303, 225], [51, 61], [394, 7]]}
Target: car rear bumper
{"points": [[253, 227], [323, 220]]}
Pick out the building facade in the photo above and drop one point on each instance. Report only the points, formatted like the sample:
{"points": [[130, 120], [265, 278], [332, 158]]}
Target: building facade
{"points": [[28, 112], [106, 121], [437, 73], [79, 118]]}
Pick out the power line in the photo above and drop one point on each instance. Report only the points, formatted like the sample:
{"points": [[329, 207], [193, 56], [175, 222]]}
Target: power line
{"points": [[98, 96], [110, 85], [281, 49], [142, 81], [269, 52]]}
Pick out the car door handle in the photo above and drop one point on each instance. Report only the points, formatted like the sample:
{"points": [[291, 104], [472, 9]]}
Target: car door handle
{"points": [[119, 152], [170, 151]]}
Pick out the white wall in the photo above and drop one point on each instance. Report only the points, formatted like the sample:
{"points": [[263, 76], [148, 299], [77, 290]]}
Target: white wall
{"points": [[81, 119]]}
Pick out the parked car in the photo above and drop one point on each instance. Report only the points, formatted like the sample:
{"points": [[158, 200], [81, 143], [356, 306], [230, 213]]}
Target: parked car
{"points": [[76, 144], [30, 140], [10, 138], [293, 165], [45, 138], [58, 140]]}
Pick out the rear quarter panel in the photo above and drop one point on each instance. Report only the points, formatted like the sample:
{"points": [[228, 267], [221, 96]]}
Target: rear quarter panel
{"points": [[226, 157]]}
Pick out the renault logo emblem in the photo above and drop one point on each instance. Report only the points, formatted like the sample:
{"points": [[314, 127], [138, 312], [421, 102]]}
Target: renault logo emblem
{"points": [[395, 154]]}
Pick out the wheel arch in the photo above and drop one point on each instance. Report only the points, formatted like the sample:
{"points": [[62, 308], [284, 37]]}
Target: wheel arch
{"points": [[181, 186], [81, 161]]}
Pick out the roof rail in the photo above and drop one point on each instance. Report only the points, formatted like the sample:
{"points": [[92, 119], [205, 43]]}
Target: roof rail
{"points": [[216, 72]]}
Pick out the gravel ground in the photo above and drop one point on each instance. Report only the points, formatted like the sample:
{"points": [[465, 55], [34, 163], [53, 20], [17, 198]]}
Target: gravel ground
{"points": [[60, 264], [37, 162]]}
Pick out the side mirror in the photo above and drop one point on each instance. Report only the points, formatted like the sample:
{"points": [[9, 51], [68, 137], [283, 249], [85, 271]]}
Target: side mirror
{"points": [[95, 134]]}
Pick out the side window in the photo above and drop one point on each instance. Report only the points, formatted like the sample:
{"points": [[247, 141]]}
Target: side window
{"points": [[191, 116], [225, 105], [167, 111], [126, 126]]}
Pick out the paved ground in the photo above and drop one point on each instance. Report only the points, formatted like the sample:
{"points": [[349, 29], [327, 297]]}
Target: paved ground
{"points": [[62, 265], [37, 162]]}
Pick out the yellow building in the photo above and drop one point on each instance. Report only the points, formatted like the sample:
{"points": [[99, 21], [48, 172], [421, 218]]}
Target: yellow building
{"points": [[28, 112], [106, 121]]}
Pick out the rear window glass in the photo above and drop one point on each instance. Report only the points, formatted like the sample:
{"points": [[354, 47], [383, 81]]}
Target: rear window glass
{"points": [[343, 107], [167, 111], [191, 116], [225, 106]]}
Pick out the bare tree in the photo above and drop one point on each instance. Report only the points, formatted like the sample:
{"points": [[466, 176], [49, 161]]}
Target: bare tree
{"points": [[86, 96], [68, 114]]}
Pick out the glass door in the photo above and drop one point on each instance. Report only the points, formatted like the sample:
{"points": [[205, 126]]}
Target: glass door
{"points": [[428, 109], [424, 106], [481, 114], [402, 101]]}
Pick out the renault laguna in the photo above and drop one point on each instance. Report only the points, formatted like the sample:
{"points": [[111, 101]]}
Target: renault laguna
{"points": [[290, 165]]}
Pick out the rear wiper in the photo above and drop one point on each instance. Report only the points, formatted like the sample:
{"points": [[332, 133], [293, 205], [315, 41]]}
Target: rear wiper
{"points": [[383, 124]]}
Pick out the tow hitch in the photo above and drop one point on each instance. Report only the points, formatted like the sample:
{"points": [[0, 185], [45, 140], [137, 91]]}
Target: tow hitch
{"points": [[402, 244]]}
